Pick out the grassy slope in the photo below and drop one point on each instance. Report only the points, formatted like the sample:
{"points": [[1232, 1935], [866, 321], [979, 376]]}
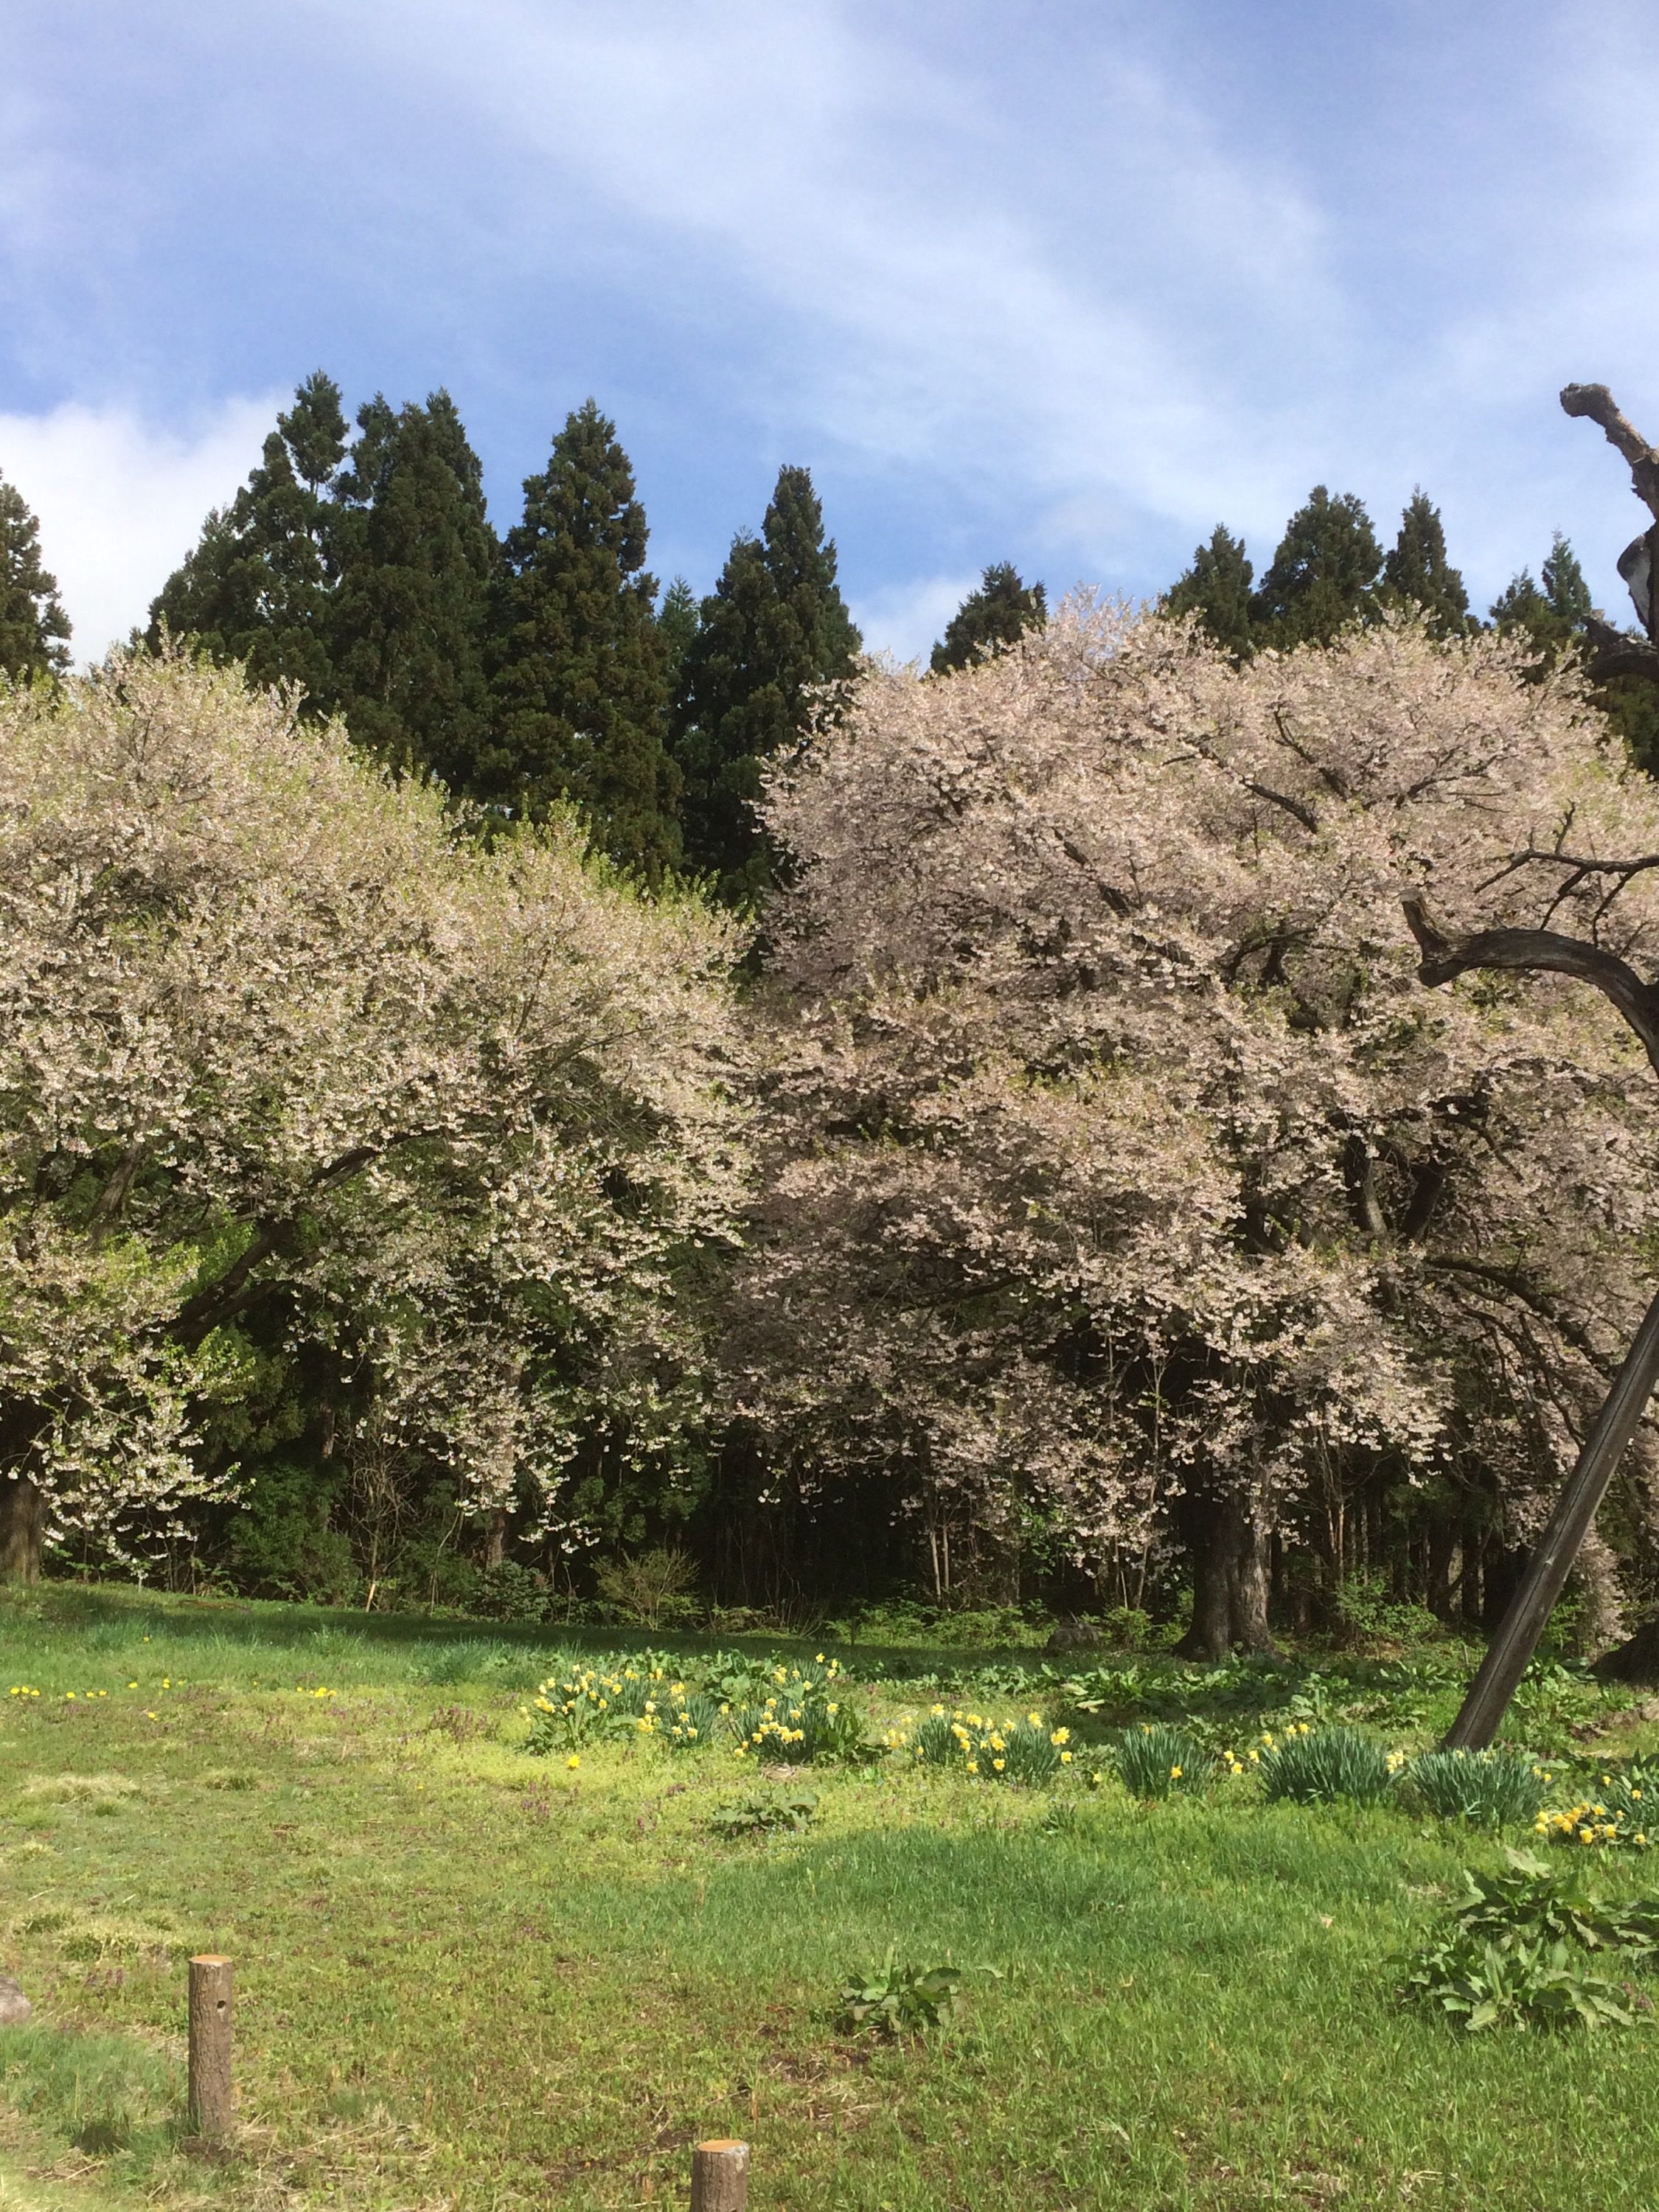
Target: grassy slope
{"points": [[468, 1978]]}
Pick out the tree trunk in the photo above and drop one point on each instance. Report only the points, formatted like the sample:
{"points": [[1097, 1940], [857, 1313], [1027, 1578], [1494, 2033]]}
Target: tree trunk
{"points": [[22, 1530], [1229, 1546], [495, 1538]]}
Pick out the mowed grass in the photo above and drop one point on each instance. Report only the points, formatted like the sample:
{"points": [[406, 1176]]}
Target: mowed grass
{"points": [[467, 1978]]}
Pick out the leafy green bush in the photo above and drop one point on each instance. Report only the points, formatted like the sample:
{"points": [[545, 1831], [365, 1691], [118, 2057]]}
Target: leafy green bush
{"points": [[508, 1591], [898, 2001], [1318, 1767], [1157, 1760], [1489, 1788], [781, 1813], [652, 1588], [1516, 1953], [1025, 1751], [1478, 1985]]}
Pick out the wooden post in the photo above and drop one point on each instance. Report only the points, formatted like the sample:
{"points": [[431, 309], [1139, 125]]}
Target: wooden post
{"points": [[209, 2046], [1507, 1655], [719, 2176]]}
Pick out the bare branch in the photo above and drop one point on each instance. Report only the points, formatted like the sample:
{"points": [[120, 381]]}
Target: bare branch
{"points": [[1534, 951], [1596, 404]]}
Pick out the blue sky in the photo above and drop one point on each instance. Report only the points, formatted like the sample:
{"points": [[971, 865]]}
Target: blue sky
{"points": [[1061, 284]]}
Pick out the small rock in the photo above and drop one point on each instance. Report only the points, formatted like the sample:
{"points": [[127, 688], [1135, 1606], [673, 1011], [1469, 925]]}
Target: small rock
{"points": [[1074, 1635], [15, 2007]]}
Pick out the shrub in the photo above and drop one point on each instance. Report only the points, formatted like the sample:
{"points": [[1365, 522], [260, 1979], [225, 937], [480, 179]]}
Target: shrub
{"points": [[651, 1587], [1156, 1760], [1319, 1766], [1025, 1751], [508, 1591], [1516, 1954], [1490, 1789]]}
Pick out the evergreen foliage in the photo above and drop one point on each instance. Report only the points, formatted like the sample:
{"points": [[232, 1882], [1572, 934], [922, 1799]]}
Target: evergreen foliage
{"points": [[1216, 589], [259, 587], [990, 619], [418, 559], [33, 628], [580, 679], [677, 619], [1418, 573], [775, 632], [1323, 576]]}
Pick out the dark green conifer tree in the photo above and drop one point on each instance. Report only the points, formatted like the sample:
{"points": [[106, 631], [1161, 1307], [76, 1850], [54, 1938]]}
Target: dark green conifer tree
{"points": [[581, 666], [33, 628], [1418, 573], [990, 619], [1552, 615], [773, 633], [1216, 589], [676, 619], [418, 562], [1324, 574], [258, 587]]}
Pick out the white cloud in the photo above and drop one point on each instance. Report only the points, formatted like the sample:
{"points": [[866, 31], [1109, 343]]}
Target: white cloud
{"points": [[905, 619], [121, 502]]}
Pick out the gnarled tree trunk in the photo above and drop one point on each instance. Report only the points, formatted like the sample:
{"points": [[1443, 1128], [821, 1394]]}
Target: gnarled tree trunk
{"points": [[1228, 1544]]}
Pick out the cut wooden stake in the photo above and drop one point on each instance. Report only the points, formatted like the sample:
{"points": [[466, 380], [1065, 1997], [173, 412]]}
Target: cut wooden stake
{"points": [[209, 2046], [719, 2176]]}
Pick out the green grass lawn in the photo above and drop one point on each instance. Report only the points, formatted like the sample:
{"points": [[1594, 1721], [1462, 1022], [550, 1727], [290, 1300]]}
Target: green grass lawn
{"points": [[470, 1978]]}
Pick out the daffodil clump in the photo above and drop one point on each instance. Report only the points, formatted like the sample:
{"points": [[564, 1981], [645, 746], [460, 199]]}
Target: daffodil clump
{"points": [[1157, 1760], [1317, 1765], [799, 1716], [590, 1701], [1026, 1750], [1616, 1815]]}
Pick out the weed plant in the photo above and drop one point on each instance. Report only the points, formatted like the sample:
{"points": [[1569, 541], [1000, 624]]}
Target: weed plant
{"points": [[781, 1812], [898, 2001]]}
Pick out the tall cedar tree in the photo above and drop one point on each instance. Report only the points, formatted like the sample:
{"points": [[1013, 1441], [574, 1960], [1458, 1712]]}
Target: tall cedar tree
{"points": [[580, 666], [418, 560], [677, 619], [33, 628], [1323, 576], [774, 631], [1417, 573], [259, 586], [1216, 589], [990, 620]]}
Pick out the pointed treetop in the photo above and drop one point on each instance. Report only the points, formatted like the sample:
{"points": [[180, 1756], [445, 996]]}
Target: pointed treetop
{"points": [[580, 661], [1418, 573], [33, 628], [992, 617], [1216, 589], [1324, 574]]}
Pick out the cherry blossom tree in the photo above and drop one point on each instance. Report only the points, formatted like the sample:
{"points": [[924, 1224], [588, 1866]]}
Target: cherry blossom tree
{"points": [[278, 1040], [1123, 1188]]}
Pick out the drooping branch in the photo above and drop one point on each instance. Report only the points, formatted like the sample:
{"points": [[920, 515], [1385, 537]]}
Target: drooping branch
{"points": [[1596, 404], [1537, 952]]}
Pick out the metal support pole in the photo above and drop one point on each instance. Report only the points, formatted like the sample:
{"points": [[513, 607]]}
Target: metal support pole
{"points": [[1489, 1695], [209, 2046]]}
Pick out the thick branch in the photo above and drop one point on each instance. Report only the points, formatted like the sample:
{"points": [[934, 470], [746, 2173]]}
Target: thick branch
{"points": [[1596, 404], [1615, 653], [1534, 951]]}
